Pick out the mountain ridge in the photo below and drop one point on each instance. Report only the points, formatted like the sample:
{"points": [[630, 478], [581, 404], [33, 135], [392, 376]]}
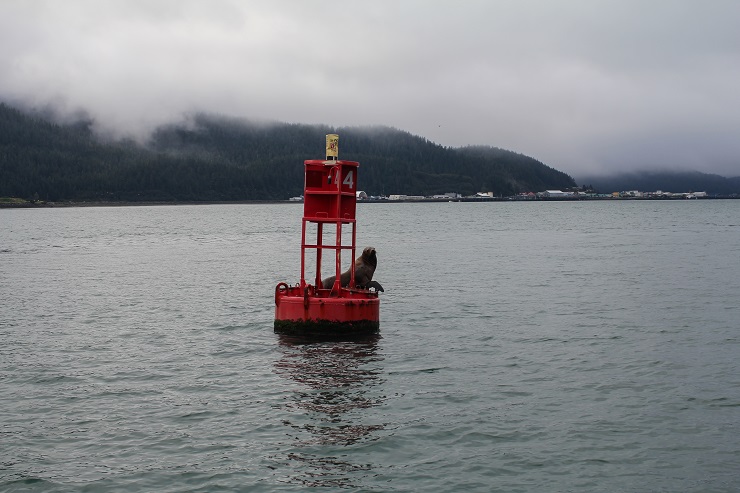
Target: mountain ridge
{"points": [[212, 157], [666, 181], [217, 158]]}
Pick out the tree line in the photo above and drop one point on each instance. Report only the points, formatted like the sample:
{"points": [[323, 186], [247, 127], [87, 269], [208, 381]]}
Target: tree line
{"points": [[675, 181], [216, 158]]}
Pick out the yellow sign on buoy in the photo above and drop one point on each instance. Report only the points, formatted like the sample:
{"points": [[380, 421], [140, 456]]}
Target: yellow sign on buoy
{"points": [[332, 147]]}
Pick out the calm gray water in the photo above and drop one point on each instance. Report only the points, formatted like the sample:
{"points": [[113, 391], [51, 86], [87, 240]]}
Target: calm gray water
{"points": [[524, 347]]}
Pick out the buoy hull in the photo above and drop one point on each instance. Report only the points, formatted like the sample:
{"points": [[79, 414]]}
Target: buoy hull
{"points": [[349, 313]]}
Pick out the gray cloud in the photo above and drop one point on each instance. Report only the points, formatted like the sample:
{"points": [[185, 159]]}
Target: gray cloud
{"points": [[585, 86]]}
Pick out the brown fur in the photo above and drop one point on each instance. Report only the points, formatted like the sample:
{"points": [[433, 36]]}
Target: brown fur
{"points": [[365, 266]]}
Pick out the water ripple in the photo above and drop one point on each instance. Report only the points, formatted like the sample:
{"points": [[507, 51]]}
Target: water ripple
{"points": [[528, 347]]}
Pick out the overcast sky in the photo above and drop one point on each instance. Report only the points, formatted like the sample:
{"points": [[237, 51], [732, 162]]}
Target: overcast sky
{"points": [[585, 86]]}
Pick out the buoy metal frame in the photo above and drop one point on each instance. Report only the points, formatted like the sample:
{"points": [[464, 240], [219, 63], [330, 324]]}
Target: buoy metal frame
{"points": [[306, 309]]}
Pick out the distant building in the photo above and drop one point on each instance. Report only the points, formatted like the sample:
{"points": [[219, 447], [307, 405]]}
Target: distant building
{"points": [[555, 193], [633, 193]]}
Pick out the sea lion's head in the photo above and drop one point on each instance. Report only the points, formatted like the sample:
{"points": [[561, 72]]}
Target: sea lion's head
{"points": [[369, 256]]}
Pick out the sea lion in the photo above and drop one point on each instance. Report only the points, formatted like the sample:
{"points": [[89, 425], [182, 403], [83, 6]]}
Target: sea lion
{"points": [[365, 266]]}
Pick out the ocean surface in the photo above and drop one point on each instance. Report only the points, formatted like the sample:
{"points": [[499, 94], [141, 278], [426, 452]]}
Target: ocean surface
{"points": [[524, 347]]}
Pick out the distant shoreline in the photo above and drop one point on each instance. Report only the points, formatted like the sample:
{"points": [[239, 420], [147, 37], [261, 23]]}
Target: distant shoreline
{"points": [[65, 204]]}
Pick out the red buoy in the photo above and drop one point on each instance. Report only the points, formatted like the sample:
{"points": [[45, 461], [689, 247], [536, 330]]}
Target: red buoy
{"points": [[329, 201]]}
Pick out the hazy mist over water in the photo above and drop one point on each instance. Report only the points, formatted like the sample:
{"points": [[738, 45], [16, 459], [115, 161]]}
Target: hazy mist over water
{"points": [[579, 346]]}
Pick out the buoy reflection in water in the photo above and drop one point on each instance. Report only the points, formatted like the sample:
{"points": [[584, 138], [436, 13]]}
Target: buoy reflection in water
{"points": [[337, 383]]}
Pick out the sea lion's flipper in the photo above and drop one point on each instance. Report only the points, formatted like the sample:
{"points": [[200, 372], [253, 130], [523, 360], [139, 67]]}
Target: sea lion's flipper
{"points": [[375, 285]]}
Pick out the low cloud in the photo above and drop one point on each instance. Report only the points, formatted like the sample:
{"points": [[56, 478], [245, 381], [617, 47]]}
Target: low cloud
{"points": [[586, 87]]}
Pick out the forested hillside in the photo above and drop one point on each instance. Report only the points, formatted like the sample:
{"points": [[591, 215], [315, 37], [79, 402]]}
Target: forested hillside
{"points": [[686, 181], [217, 158]]}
